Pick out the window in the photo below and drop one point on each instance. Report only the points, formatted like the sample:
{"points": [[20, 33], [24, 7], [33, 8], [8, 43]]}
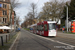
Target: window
{"points": [[38, 27], [46, 29], [41, 27], [52, 26], [4, 12], [0, 5], [4, 20], [4, 6]]}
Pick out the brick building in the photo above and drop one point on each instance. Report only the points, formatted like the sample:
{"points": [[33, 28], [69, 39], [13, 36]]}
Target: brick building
{"points": [[5, 12]]}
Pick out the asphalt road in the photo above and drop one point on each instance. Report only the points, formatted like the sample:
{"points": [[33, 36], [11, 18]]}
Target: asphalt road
{"points": [[30, 41]]}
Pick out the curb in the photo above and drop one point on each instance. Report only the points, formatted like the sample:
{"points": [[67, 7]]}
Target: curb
{"points": [[14, 42]]}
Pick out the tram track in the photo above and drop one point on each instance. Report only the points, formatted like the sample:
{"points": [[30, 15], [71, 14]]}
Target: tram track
{"points": [[43, 42], [30, 41], [63, 39], [39, 42]]}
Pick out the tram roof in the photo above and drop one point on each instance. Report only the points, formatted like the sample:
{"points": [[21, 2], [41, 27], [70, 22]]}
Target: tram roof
{"points": [[51, 21], [47, 22], [33, 25]]}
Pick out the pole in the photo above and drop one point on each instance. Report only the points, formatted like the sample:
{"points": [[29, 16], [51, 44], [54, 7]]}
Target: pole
{"points": [[67, 18], [11, 23], [6, 38], [15, 23], [2, 41]]}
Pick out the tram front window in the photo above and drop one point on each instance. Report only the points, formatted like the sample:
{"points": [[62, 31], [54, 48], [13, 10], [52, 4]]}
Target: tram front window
{"points": [[52, 26]]}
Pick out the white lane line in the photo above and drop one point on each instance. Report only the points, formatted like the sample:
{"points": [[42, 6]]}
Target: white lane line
{"points": [[53, 40], [65, 43], [13, 42]]}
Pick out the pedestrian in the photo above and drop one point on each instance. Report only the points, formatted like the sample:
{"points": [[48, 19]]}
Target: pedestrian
{"points": [[63, 29]]}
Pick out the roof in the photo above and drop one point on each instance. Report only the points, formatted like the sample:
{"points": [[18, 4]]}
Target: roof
{"points": [[33, 25], [51, 21]]}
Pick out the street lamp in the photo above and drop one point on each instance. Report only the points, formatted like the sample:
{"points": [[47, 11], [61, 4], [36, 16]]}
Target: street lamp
{"points": [[67, 17], [15, 22]]}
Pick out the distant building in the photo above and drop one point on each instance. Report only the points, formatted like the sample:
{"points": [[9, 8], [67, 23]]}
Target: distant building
{"points": [[5, 12]]}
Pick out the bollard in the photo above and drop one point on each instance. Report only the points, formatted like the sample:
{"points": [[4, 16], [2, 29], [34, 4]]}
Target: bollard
{"points": [[2, 41], [6, 38]]}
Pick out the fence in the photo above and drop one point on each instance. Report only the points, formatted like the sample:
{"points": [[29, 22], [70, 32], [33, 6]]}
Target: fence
{"points": [[5, 37]]}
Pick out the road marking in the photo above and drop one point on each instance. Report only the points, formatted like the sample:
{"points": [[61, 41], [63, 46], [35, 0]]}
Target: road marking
{"points": [[65, 43], [53, 40], [14, 42]]}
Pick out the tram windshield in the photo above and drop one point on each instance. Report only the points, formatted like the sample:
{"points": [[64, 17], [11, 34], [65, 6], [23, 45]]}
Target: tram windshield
{"points": [[52, 26]]}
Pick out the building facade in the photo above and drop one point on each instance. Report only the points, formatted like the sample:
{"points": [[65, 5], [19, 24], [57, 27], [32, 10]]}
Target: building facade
{"points": [[5, 12]]}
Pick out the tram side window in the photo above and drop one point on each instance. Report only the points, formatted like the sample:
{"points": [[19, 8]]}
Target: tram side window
{"points": [[45, 27], [42, 27], [37, 27]]}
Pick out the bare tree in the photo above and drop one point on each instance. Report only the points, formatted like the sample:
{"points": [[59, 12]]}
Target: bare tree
{"points": [[33, 9], [29, 18], [14, 4], [18, 21], [30, 15]]}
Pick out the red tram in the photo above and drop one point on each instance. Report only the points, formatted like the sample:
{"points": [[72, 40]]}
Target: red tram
{"points": [[45, 28]]}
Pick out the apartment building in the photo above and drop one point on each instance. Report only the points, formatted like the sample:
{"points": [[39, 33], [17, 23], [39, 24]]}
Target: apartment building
{"points": [[5, 12]]}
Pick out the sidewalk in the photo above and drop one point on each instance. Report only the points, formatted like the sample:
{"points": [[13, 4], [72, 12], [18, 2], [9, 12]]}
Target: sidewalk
{"points": [[67, 35]]}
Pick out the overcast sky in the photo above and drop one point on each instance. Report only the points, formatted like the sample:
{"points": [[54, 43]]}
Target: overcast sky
{"points": [[24, 6]]}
